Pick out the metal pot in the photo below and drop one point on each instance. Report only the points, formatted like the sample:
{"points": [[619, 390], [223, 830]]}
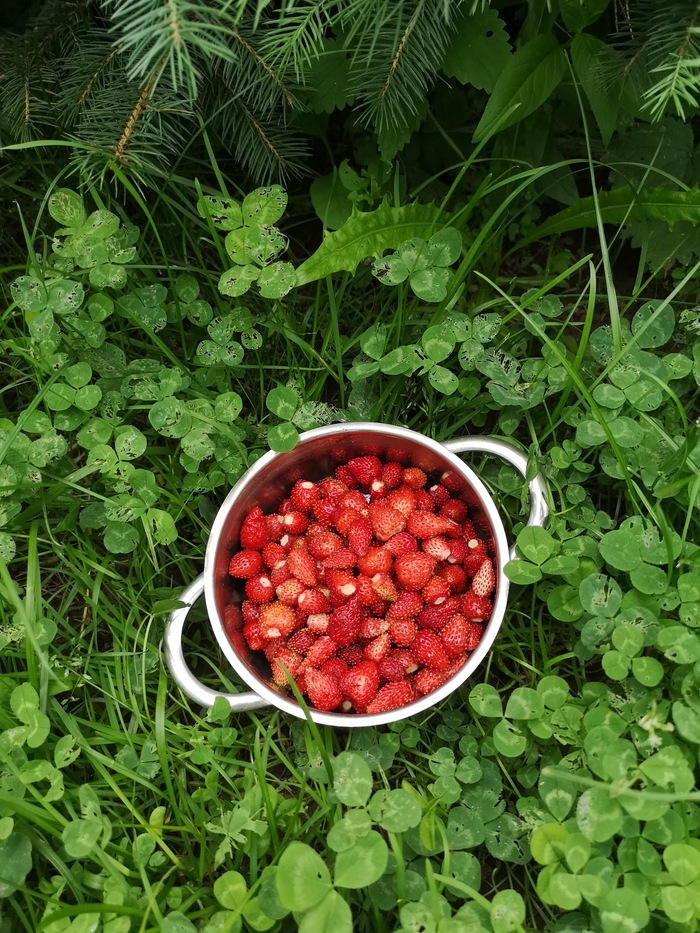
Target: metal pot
{"points": [[266, 483]]}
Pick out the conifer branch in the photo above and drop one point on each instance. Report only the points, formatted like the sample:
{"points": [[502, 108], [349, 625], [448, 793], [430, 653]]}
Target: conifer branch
{"points": [[122, 145]]}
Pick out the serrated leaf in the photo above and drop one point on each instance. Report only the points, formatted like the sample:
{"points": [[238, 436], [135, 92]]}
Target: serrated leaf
{"points": [[528, 79], [590, 56], [479, 50], [367, 234]]}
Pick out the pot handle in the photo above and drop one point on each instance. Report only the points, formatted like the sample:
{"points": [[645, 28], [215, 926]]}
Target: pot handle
{"points": [[182, 675], [539, 509]]}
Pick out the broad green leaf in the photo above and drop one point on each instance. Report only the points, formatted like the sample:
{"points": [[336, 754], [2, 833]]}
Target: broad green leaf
{"points": [[282, 402], [403, 361], [15, 862], [524, 703], [430, 284], [485, 701], [444, 247], [224, 212], [479, 49], [507, 911], [277, 280], [653, 324], [331, 915], [443, 380], [352, 779], [682, 862], [120, 537], [580, 13], [600, 595], [257, 245], [329, 198], [548, 843], [176, 922], [564, 603], [599, 815], [648, 671], [559, 796], [367, 234], [438, 342], [373, 341], [526, 82], [302, 877], [66, 207], [29, 293], [522, 572], [508, 739], [623, 911], [107, 275], [536, 544], [390, 270], [237, 281], [396, 811], [363, 863], [620, 549], [282, 437], [230, 890], [80, 837], [65, 297], [264, 206]]}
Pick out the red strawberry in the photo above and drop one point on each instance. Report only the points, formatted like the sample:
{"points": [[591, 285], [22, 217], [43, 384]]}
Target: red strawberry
{"points": [[434, 617], [273, 553], [344, 622], [372, 627], [290, 591], [321, 651], [392, 474], [426, 525], [351, 654], [458, 550], [438, 547], [323, 544], [384, 587], [245, 564], [322, 690], [276, 621], [391, 696], [452, 481], [345, 517], [378, 648], [454, 509], [254, 534], [436, 590], [360, 683], [280, 573], [295, 523], [427, 650], [335, 668], [484, 580], [360, 536], [386, 521], [260, 589], [414, 477], [304, 494], [318, 623], [403, 632], [402, 543], [302, 566], [407, 605], [250, 611], [341, 559], [324, 511], [476, 608], [403, 500], [343, 474], [397, 665], [439, 495], [377, 489], [273, 526], [301, 640], [455, 636], [414, 570], [251, 632], [289, 541], [475, 557], [424, 501], [365, 469], [313, 601], [291, 661], [378, 559], [341, 586], [474, 635], [353, 499], [365, 590], [454, 576], [427, 680], [332, 488]]}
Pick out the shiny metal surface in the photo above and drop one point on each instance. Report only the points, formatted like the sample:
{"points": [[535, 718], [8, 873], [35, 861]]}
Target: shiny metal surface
{"points": [[266, 483]]}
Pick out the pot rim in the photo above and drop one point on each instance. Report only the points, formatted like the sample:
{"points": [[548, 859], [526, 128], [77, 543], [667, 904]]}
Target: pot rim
{"points": [[475, 658]]}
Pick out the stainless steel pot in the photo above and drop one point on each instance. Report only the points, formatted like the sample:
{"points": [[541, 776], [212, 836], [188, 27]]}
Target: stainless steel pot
{"points": [[266, 483]]}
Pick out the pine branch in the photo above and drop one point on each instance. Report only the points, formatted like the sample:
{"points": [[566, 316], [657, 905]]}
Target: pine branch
{"points": [[295, 38]]}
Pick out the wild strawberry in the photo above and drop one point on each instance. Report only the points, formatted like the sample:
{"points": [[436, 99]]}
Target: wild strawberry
{"points": [[439, 495], [455, 576], [318, 623], [458, 550], [335, 668], [365, 469], [455, 636], [454, 509], [424, 501], [304, 494], [426, 525], [386, 521], [360, 683], [377, 489], [403, 500], [290, 591], [291, 661], [331, 488], [484, 580], [427, 650], [372, 627], [403, 632], [378, 559], [392, 474], [436, 590], [378, 648], [250, 611], [384, 587], [477, 553], [276, 621], [322, 649], [344, 518], [365, 590], [351, 654], [468, 529], [285, 506], [323, 544], [407, 605], [428, 679], [474, 635], [301, 640], [279, 573], [341, 586], [344, 622], [289, 541], [360, 536], [312, 601], [259, 589], [295, 522], [476, 608], [353, 499], [401, 543], [434, 617], [251, 632], [324, 511], [273, 553], [414, 570], [343, 474], [391, 696], [438, 547], [452, 481], [322, 690], [245, 564], [300, 681], [397, 665], [254, 534], [341, 559], [273, 526], [302, 566], [414, 477]]}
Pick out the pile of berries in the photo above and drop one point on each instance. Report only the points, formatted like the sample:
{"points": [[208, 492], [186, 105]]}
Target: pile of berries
{"points": [[369, 587]]}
